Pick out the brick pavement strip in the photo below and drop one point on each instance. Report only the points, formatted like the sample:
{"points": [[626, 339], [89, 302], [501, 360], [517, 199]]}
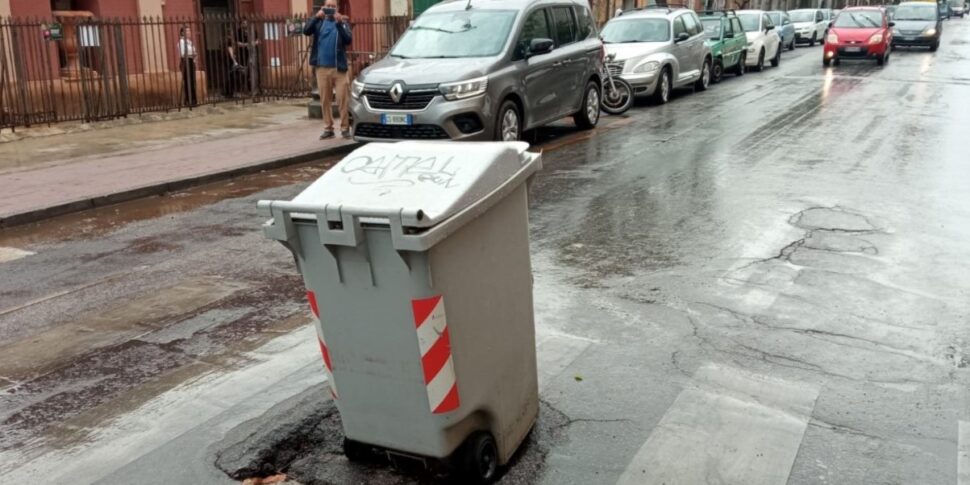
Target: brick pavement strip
{"points": [[36, 194]]}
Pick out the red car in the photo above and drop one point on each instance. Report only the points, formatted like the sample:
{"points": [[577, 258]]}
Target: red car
{"points": [[859, 33]]}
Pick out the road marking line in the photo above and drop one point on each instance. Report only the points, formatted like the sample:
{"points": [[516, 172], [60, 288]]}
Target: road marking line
{"points": [[731, 427], [963, 453], [8, 254]]}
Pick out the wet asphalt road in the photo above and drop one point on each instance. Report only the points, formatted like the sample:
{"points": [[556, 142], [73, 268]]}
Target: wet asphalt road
{"points": [[763, 283]]}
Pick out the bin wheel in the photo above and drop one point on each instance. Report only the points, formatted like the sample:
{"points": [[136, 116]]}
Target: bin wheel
{"points": [[355, 451], [478, 460]]}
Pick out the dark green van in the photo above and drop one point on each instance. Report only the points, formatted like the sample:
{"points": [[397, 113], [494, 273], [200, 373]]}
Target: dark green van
{"points": [[727, 40]]}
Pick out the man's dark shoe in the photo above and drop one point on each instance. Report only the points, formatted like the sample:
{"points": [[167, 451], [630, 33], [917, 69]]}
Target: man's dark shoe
{"points": [[345, 133], [326, 134]]}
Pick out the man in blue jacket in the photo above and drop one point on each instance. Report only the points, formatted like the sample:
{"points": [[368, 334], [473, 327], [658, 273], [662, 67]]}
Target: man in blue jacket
{"points": [[328, 55]]}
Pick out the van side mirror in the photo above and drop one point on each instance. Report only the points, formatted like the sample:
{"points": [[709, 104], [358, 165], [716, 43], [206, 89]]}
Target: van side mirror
{"points": [[769, 28], [540, 46], [682, 37], [831, 24], [892, 24]]}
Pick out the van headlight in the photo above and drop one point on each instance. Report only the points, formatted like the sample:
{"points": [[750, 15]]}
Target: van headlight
{"points": [[647, 67], [929, 32], [356, 88], [464, 89]]}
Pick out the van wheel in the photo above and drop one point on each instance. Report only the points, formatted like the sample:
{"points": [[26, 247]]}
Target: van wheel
{"points": [[777, 59], [589, 113], [662, 94], [742, 65], [508, 125], [705, 79], [811, 43], [717, 71], [761, 61]]}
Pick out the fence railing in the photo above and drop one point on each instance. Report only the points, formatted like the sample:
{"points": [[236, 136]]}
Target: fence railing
{"points": [[84, 68]]}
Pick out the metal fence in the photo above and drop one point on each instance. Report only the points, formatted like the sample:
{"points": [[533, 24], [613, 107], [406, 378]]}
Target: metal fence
{"points": [[86, 68]]}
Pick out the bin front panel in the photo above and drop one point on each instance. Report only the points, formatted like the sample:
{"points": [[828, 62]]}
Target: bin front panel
{"points": [[365, 299]]}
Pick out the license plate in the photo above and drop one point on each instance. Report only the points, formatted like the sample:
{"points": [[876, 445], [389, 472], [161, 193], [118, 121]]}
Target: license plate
{"points": [[853, 49], [396, 119], [908, 38]]}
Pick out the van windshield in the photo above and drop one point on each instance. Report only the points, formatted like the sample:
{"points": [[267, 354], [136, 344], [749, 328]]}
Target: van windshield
{"points": [[916, 12], [712, 28], [473, 33], [750, 22], [802, 15], [636, 30]]}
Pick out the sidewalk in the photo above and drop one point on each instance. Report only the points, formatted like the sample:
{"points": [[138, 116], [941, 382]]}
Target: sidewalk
{"points": [[48, 174]]}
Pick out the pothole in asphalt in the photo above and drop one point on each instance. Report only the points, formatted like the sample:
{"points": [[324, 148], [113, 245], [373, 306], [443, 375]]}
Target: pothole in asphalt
{"points": [[832, 219], [840, 243], [302, 438]]}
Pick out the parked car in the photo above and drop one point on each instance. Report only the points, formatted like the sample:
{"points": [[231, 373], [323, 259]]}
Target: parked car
{"points": [[859, 33], [763, 41], [727, 41], [810, 25], [785, 28], [917, 24], [958, 7], [657, 49], [482, 73]]}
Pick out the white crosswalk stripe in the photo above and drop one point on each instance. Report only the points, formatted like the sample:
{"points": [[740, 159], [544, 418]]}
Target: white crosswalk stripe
{"points": [[963, 454], [731, 426], [10, 254]]}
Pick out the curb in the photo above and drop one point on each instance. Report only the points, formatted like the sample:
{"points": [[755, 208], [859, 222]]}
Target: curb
{"points": [[35, 215]]}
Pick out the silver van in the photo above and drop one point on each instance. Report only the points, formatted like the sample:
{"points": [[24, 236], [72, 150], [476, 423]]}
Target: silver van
{"points": [[483, 70]]}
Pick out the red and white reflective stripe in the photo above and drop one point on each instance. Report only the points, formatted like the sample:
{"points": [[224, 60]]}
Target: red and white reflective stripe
{"points": [[324, 350], [435, 346]]}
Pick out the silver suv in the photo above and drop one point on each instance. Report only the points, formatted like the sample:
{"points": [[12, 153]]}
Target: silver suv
{"points": [[483, 70], [657, 49]]}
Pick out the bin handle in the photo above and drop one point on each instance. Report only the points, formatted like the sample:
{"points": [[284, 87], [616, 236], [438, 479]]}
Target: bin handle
{"points": [[350, 233]]}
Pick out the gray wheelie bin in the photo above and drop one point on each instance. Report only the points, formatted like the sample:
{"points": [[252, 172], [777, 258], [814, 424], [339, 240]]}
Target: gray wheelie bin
{"points": [[415, 256]]}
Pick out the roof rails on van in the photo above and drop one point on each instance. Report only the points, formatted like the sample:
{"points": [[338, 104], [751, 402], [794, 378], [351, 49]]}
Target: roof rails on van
{"points": [[668, 6]]}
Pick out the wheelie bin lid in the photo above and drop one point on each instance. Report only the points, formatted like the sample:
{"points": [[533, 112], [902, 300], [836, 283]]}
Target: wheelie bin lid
{"points": [[424, 181]]}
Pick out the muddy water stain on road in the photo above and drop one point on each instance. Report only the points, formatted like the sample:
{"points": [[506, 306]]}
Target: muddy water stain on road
{"points": [[100, 221]]}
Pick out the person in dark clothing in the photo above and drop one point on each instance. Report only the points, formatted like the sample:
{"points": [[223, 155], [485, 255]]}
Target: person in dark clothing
{"points": [[234, 70], [186, 49], [247, 54], [328, 54]]}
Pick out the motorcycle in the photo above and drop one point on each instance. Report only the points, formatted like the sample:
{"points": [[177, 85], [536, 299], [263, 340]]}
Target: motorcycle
{"points": [[617, 92]]}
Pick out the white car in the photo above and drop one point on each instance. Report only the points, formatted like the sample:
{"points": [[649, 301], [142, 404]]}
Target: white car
{"points": [[763, 40], [810, 25]]}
